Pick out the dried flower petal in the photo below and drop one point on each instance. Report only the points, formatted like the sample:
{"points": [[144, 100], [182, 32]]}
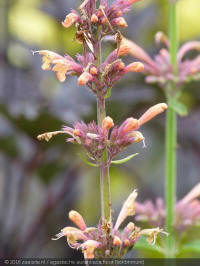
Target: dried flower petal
{"points": [[152, 234], [128, 209], [48, 135]]}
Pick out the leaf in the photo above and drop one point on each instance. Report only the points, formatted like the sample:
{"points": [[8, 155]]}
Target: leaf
{"points": [[125, 159], [87, 162], [142, 245], [178, 107], [108, 93], [193, 246]]}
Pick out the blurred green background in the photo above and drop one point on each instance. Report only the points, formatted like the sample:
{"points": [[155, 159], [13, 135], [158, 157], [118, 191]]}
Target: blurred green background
{"points": [[41, 182]]}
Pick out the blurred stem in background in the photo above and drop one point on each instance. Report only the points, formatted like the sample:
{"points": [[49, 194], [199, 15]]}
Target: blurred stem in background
{"points": [[171, 137]]}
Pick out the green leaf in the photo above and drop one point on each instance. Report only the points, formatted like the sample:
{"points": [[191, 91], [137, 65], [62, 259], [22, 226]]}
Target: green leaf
{"points": [[178, 107], [87, 162], [108, 93], [125, 159], [193, 246], [142, 245]]}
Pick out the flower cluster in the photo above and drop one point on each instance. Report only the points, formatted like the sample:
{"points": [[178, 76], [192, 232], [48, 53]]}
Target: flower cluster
{"points": [[159, 69], [107, 241], [89, 17], [92, 24], [96, 139], [187, 211]]}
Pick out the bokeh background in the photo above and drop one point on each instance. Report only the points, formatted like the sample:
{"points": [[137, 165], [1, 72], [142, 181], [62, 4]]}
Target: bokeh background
{"points": [[41, 182]]}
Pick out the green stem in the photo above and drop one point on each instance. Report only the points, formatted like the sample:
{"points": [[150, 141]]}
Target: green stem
{"points": [[104, 170], [104, 165], [171, 140]]}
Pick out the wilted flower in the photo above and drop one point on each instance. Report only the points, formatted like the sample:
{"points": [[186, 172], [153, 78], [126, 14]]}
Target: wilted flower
{"points": [[159, 69], [187, 211], [96, 139], [106, 240]]}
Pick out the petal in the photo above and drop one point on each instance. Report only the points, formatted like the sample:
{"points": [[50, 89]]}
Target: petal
{"points": [[194, 45]]}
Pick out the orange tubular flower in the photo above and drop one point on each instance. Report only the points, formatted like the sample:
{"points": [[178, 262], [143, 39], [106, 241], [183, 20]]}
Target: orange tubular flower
{"points": [[152, 112], [130, 125], [70, 19], [77, 219], [61, 65], [93, 70], [120, 21], [117, 241], [135, 67], [89, 247], [84, 78], [94, 18], [107, 124]]}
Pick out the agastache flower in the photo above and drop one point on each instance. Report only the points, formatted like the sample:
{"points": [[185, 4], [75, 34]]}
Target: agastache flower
{"points": [[111, 70], [96, 139], [70, 19], [94, 242], [159, 69], [61, 65], [92, 23], [187, 211]]}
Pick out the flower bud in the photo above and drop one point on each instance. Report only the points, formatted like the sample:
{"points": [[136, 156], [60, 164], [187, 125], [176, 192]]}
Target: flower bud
{"points": [[94, 18], [70, 19], [160, 37], [135, 67], [152, 112], [107, 123], [138, 137], [130, 226], [123, 50], [77, 219], [120, 21], [118, 13], [99, 13], [84, 78], [103, 21], [77, 133], [126, 243], [129, 125], [152, 234], [88, 248], [116, 241], [119, 65], [93, 71]]}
